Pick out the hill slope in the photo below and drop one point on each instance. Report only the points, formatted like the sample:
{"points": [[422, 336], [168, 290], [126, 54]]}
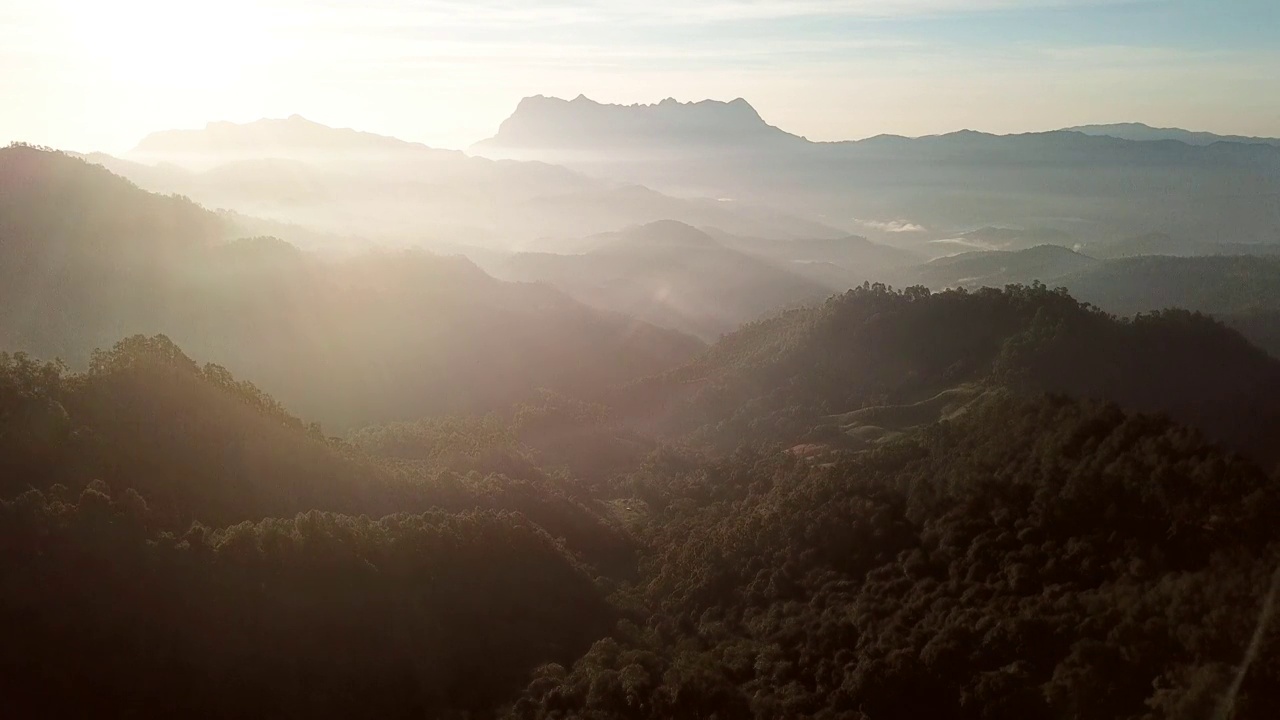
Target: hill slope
{"points": [[1215, 285], [88, 258], [838, 263], [1165, 244], [792, 378], [669, 274], [995, 553], [1237, 287], [1045, 263]]}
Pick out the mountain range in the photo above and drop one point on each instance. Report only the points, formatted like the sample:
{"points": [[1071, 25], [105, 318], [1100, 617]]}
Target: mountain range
{"points": [[342, 190], [540, 123], [89, 258], [585, 168], [355, 184], [1089, 186], [1146, 133]]}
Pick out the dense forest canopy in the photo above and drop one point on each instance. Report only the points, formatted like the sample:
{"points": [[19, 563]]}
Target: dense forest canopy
{"points": [[799, 375], [1009, 555]]}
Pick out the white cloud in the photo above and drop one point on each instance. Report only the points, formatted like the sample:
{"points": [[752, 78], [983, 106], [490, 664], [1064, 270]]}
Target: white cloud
{"points": [[492, 14], [893, 226]]}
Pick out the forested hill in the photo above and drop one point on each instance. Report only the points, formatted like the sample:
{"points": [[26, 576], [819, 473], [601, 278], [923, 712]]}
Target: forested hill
{"points": [[1030, 558], [796, 377], [1043, 559], [86, 259], [1234, 282], [1223, 284], [164, 520]]}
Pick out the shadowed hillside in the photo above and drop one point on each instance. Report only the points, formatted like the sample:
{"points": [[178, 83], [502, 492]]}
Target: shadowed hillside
{"points": [[785, 379]]}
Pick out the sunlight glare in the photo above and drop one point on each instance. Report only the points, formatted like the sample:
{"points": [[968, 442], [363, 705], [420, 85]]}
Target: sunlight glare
{"points": [[161, 43]]}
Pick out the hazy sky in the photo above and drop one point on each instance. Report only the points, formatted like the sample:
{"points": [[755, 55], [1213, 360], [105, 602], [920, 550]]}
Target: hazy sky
{"points": [[99, 74]]}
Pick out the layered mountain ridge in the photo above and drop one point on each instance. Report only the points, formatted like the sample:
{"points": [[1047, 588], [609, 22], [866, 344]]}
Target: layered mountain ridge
{"points": [[1095, 185]]}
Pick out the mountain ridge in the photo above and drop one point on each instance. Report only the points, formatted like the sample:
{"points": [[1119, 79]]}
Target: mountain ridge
{"points": [[287, 135], [741, 110], [1143, 132], [1098, 186], [713, 122], [353, 184], [670, 274], [89, 258]]}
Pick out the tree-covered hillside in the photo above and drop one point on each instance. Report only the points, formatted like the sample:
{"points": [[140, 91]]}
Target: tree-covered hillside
{"points": [[1020, 556], [792, 378], [1236, 283], [1034, 559]]}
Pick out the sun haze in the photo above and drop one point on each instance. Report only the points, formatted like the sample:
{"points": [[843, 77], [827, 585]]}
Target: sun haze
{"points": [[446, 72]]}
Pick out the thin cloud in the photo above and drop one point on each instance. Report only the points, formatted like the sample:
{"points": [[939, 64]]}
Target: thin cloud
{"points": [[497, 13], [579, 55], [893, 226]]}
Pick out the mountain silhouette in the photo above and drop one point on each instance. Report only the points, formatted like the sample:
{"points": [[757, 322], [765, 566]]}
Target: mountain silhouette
{"points": [[363, 185], [1143, 132], [543, 122], [293, 137], [783, 377], [998, 268]]}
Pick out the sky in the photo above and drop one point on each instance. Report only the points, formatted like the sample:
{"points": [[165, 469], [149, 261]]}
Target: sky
{"points": [[99, 75]]}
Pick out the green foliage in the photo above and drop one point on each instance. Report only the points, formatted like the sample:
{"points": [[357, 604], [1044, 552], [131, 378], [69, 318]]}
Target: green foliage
{"points": [[776, 380], [196, 442], [1042, 559], [319, 615], [484, 444]]}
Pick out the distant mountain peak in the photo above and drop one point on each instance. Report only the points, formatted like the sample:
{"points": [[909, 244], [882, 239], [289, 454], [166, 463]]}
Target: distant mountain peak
{"points": [[675, 230], [290, 137], [659, 233], [547, 122]]}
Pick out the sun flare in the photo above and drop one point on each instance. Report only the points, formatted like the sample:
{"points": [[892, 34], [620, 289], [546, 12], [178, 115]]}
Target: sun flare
{"points": [[161, 43]]}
